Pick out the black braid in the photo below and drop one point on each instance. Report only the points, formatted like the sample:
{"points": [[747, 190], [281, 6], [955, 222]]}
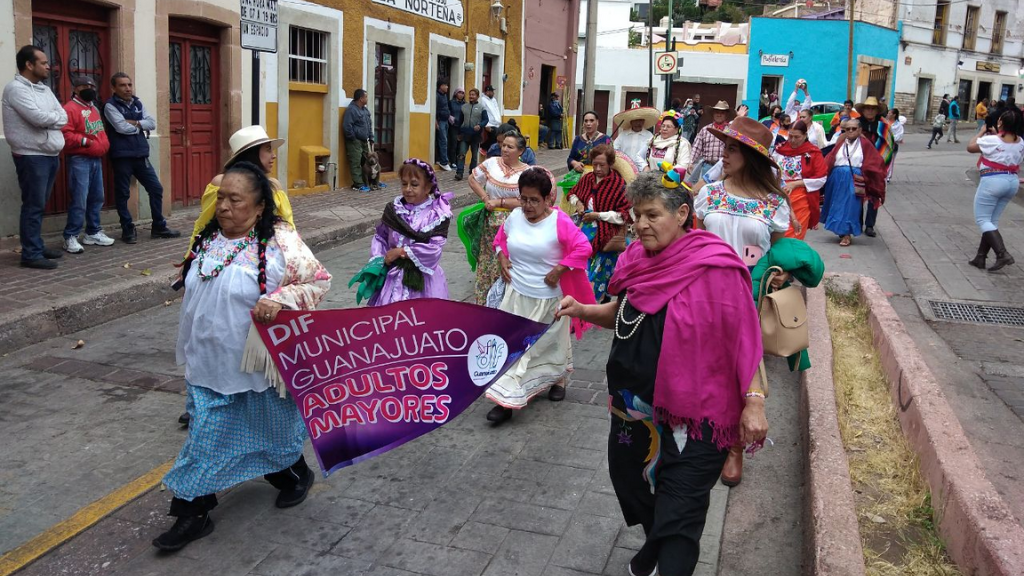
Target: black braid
{"points": [[197, 242]]}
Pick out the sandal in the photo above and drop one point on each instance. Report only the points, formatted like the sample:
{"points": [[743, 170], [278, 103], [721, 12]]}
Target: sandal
{"points": [[845, 241]]}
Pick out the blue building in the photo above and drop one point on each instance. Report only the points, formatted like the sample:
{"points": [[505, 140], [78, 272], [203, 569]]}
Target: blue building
{"points": [[783, 50]]}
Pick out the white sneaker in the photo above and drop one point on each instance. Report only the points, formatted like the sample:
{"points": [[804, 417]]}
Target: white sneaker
{"points": [[71, 246], [98, 239], [446, 167]]}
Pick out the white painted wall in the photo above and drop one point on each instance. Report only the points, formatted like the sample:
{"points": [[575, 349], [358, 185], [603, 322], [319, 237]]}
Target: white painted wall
{"points": [[612, 23]]}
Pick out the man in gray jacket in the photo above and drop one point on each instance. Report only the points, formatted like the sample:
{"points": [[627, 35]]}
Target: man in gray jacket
{"points": [[358, 129], [32, 121]]}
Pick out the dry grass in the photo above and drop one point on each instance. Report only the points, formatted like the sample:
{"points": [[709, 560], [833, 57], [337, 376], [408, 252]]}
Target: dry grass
{"points": [[893, 504]]}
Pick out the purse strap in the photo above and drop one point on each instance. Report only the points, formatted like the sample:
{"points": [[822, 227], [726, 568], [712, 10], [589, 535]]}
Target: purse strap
{"points": [[765, 288]]}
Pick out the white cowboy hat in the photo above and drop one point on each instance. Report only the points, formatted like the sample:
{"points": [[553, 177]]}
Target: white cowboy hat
{"points": [[249, 137]]}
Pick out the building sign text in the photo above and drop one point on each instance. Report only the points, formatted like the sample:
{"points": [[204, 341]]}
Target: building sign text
{"points": [[775, 60], [444, 11]]}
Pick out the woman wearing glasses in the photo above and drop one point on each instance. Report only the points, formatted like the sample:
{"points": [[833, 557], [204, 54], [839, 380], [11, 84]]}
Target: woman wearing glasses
{"points": [[856, 174], [542, 256]]}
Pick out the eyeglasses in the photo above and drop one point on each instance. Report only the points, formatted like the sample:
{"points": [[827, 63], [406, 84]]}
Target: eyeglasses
{"points": [[530, 201], [851, 129]]}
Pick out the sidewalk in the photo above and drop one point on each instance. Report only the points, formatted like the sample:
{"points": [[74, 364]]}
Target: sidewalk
{"points": [[105, 283]]}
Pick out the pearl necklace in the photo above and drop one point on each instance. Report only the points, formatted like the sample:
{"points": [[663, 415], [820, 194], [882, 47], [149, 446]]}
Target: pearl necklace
{"points": [[620, 318]]}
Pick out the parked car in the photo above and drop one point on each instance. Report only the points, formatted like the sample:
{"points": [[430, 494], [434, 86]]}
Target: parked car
{"points": [[823, 112]]}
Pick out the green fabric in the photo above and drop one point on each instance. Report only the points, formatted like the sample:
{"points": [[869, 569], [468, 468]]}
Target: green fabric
{"points": [[412, 277], [370, 279], [800, 260], [470, 224], [570, 180]]}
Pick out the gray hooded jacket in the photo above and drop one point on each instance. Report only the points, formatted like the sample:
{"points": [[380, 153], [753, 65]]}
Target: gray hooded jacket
{"points": [[32, 118]]}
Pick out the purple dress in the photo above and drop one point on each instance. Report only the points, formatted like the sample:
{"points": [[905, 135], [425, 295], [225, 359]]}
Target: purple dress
{"points": [[426, 256]]}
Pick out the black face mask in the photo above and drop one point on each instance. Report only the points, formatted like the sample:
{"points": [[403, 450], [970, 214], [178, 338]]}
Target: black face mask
{"points": [[88, 94]]}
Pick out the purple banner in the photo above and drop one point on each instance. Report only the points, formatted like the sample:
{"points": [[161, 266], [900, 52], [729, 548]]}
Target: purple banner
{"points": [[367, 380]]}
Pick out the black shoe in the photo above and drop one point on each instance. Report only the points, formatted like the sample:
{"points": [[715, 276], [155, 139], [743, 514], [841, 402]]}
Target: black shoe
{"points": [[458, 176], [296, 495], [870, 232], [39, 264], [929, 146], [164, 232], [184, 419], [499, 414], [556, 393], [637, 567], [129, 235], [185, 530], [983, 248], [51, 254], [1003, 257]]}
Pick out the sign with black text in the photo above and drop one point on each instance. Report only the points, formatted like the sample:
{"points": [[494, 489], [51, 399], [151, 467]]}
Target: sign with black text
{"points": [[259, 25], [444, 11]]}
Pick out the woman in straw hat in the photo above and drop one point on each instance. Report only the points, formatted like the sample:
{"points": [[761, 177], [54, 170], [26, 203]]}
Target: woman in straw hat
{"points": [[600, 199], [634, 141], [247, 265], [669, 145]]}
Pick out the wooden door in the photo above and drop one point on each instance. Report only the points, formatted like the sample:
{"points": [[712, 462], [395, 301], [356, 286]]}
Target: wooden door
{"points": [[710, 94], [193, 124], [76, 40], [601, 98], [384, 91]]}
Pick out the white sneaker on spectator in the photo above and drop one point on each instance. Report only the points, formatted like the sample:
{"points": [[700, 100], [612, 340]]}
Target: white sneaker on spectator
{"points": [[98, 239], [71, 246], [445, 167]]}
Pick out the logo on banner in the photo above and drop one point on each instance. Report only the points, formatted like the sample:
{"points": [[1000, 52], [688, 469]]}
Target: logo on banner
{"points": [[489, 353]]}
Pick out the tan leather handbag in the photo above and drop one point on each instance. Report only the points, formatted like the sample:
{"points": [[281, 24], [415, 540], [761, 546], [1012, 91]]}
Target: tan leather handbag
{"points": [[783, 316]]}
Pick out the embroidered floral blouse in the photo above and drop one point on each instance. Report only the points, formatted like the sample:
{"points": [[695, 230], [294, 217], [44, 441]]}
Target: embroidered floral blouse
{"points": [[746, 224]]}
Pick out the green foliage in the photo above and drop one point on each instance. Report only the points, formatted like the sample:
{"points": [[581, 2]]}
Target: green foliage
{"points": [[634, 38]]}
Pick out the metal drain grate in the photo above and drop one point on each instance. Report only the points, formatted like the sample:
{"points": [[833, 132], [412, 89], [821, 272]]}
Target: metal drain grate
{"points": [[977, 313]]}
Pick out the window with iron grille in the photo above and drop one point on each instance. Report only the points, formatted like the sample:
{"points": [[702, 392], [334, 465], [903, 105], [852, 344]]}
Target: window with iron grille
{"points": [[307, 56], [998, 31], [941, 19], [971, 27]]}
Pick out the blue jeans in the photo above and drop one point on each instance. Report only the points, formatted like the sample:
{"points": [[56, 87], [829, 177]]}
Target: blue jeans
{"points": [[544, 130], [468, 144], [142, 170], [85, 187], [36, 175], [994, 193], [555, 136], [442, 142]]}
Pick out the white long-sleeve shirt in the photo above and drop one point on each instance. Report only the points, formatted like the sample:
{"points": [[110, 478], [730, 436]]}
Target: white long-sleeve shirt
{"points": [[634, 145], [793, 108]]}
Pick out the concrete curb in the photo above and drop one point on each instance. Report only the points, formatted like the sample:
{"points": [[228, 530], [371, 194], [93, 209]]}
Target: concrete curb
{"points": [[94, 307], [833, 544], [980, 532]]}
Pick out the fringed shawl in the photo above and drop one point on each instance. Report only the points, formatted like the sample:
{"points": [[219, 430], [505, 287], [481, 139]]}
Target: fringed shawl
{"points": [[609, 196]]}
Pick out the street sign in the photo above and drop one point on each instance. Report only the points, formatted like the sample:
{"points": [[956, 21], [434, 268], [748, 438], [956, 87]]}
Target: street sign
{"points": [[259, 25], [665, 62]]}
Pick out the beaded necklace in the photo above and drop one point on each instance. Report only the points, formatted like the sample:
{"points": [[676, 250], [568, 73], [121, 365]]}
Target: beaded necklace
{"points": [[621, 318], [239, 246]]}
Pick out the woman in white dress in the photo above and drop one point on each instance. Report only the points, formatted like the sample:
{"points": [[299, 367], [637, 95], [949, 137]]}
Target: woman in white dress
{"points": [[669, 145]]}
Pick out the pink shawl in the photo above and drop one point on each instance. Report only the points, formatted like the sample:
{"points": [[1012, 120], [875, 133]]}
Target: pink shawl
{"points": [[711, 345], [576, 251]]}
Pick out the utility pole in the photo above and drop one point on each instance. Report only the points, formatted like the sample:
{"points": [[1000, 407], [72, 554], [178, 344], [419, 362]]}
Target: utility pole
{"points": [[849, 58], [590, 61], [668, 46], [650, 53]]}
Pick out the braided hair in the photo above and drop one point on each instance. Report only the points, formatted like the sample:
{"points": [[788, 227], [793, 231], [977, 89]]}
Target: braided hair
{"points": [[676, 119], [260, 184]]}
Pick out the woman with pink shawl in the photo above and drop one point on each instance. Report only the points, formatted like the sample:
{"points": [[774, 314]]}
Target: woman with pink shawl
{"points": [[682, 373], [542, 256]]}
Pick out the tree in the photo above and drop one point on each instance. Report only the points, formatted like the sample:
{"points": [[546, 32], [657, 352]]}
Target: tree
{"points": [[634, 38]]}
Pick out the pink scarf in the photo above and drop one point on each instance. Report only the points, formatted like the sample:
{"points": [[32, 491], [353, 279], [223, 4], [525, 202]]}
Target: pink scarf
{"points": [[711, 345]]}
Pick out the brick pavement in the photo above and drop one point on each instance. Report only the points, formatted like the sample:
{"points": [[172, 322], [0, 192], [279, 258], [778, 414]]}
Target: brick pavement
{"points": [[104, 283]]}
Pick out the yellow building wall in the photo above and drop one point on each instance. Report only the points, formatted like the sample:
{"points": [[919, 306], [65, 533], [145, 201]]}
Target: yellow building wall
{"points": [[421, 137], [529, 125], [305, 127], [271, 119]]}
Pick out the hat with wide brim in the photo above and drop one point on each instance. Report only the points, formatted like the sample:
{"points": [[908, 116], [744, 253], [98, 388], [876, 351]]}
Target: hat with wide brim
{"points": [[871, 101], [625, 167], [646, 113], [248, 138], [723, 106], [750, 133]]}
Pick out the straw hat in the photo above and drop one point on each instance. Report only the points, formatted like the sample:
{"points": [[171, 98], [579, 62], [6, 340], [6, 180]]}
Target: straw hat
{"points": [[636, 112], [748, 132], [625, 167], [871, 101], [250, 137]]}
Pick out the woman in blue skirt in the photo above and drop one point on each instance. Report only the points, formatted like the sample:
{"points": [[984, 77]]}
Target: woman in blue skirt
{"points": [[856, 175], [245, 265]]}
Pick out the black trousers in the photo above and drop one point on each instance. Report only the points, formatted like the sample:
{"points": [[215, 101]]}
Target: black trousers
{"points": [[286, 479], [673, 515], [868, 214]]}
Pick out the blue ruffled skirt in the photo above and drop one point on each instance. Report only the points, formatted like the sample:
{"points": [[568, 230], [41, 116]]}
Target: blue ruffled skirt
{"points": [[841, 211]]}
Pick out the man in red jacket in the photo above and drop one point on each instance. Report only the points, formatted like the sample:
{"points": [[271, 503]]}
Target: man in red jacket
{"points": [[85, 143]]}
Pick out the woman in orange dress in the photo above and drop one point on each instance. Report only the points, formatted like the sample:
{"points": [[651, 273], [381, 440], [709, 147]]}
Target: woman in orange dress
{"points": [[803, 172]]}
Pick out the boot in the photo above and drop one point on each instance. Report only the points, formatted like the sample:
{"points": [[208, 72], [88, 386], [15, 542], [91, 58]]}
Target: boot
{"points": [[294, 483], [732, 472], [185, 530], [499, 414], [1003, 257], [983, 248]]}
